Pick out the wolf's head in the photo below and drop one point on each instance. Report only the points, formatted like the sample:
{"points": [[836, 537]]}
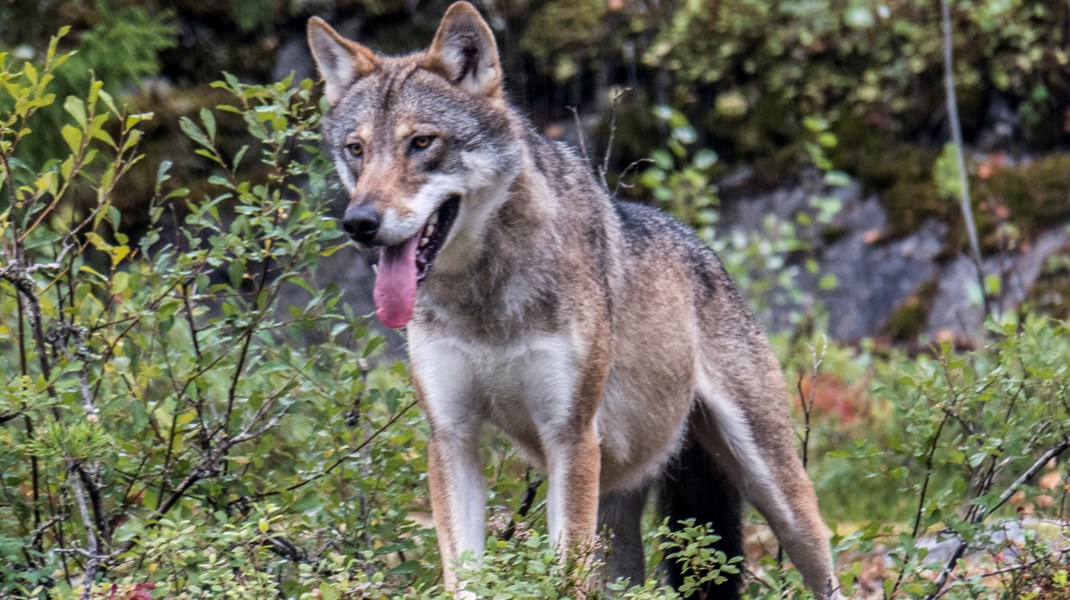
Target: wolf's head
{"points": [[423, 143]]}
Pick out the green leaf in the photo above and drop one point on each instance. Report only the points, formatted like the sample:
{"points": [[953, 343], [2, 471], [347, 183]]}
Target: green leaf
{"points": [[73, 136], [30, 72], [662, 159], [134, 119], [75, 108], [209, 123], [109, 102], [705, 158], [193, 132], [859, 17], [120, 282]]}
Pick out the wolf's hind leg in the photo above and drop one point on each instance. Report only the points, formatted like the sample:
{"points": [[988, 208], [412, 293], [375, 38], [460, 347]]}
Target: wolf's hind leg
{"points": [[620, 515], [693, 486], [748, 434]]}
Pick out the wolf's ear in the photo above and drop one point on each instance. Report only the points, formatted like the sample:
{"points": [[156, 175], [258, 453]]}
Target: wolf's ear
{"points": [[341, 62], [464, 51]]}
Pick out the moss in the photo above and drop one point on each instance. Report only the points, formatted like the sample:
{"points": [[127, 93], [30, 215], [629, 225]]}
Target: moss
{"points": [[910, 202], [1036, 194], [561, 33], [876, 157], [908, 320], [1051, 293], [1031, 196]]}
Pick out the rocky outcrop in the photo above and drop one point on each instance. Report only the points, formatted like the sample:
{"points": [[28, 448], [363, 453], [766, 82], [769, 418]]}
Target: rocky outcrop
{"points": [[878, 276]]}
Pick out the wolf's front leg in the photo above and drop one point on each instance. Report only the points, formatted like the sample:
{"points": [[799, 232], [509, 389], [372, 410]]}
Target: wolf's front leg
{"points": [[458, 499], [564, 388], [442, 379], [573, 462]]}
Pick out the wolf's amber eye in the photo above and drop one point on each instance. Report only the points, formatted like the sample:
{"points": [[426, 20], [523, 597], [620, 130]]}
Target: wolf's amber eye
{"points": [[421, 142], [356, 150]]}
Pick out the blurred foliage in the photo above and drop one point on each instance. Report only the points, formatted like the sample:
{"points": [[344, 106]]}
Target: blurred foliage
{"points": [[881, 59], [121, 47], [766, 263]]}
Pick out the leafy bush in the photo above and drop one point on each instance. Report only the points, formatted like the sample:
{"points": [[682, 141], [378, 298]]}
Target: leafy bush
{"points": [[771, 64], [163, 422]]}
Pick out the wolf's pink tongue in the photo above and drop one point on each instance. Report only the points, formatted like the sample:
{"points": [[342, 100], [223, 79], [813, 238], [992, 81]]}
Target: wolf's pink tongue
{"points": [[395, 285]]}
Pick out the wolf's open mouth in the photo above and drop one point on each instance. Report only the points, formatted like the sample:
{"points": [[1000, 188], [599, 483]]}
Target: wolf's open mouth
{"points": [[434, 235], [403, 266]]}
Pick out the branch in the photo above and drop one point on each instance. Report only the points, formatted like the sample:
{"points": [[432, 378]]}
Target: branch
{"points": [[579, 134], [612, 134], [93, 554], [1024, 565], [355, 451], [1028, 474], [631, 167], [921, 502], [956, 136]]}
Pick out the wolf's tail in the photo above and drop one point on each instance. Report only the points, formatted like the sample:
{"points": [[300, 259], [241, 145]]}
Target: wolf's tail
{"points": [[693, 487]]}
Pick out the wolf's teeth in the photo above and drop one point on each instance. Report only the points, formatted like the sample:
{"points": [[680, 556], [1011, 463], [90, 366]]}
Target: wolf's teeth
{"points": [[375, 268], [423, 241], [433, 219], [429, 230]]}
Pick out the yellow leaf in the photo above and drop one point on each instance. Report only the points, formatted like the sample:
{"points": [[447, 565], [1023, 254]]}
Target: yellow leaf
{"points": [[119, 253], [98, 242]]}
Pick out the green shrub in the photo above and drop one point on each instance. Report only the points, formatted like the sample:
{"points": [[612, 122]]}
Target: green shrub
{"points": [[164, 420]]}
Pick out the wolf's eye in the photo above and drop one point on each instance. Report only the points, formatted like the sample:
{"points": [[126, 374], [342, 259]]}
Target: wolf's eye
{"points": [[356, 149], [421, 142]]}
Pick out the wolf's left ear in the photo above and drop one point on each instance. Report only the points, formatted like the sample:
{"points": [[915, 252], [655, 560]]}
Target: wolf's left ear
{"points": [[341, 62], [464, 51]]}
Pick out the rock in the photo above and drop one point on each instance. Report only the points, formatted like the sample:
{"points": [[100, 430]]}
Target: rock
{"points": [[875, 279], [877, 275], [956, 310], [874, 276]]}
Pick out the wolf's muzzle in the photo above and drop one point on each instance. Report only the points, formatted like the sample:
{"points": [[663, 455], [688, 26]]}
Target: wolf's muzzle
{"points": [[361, 223]]}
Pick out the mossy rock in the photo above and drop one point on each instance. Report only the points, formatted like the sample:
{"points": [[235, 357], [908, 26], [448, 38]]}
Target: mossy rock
{"points": [[1036, 194], [876, 157], [910, 202], [908, 320], [1051, 293]]}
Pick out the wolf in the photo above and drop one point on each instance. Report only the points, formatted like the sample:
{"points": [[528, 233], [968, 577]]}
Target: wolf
{"points": [[602, 337]]}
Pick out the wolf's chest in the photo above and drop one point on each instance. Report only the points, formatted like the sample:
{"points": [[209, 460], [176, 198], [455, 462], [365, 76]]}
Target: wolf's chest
{"points": [[526, 387]]}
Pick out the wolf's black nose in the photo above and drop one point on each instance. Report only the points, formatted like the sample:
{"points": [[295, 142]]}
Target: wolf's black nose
{"points": [[362, 223]]}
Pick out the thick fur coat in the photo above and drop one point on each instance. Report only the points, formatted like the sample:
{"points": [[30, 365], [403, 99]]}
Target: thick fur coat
{"points": [[602, 337]]}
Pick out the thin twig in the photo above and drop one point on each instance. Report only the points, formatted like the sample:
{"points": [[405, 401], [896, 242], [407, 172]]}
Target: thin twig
{"points": [[933, 445], [356, 451], [631, 167], [612, 134], [1021, 566], [93, 554], [956, 135], [579, 134], [1028, 474]]}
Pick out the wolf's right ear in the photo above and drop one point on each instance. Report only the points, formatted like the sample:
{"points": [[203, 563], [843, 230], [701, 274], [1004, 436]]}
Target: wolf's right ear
{"points": [[341, 62], [464, 51]]}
